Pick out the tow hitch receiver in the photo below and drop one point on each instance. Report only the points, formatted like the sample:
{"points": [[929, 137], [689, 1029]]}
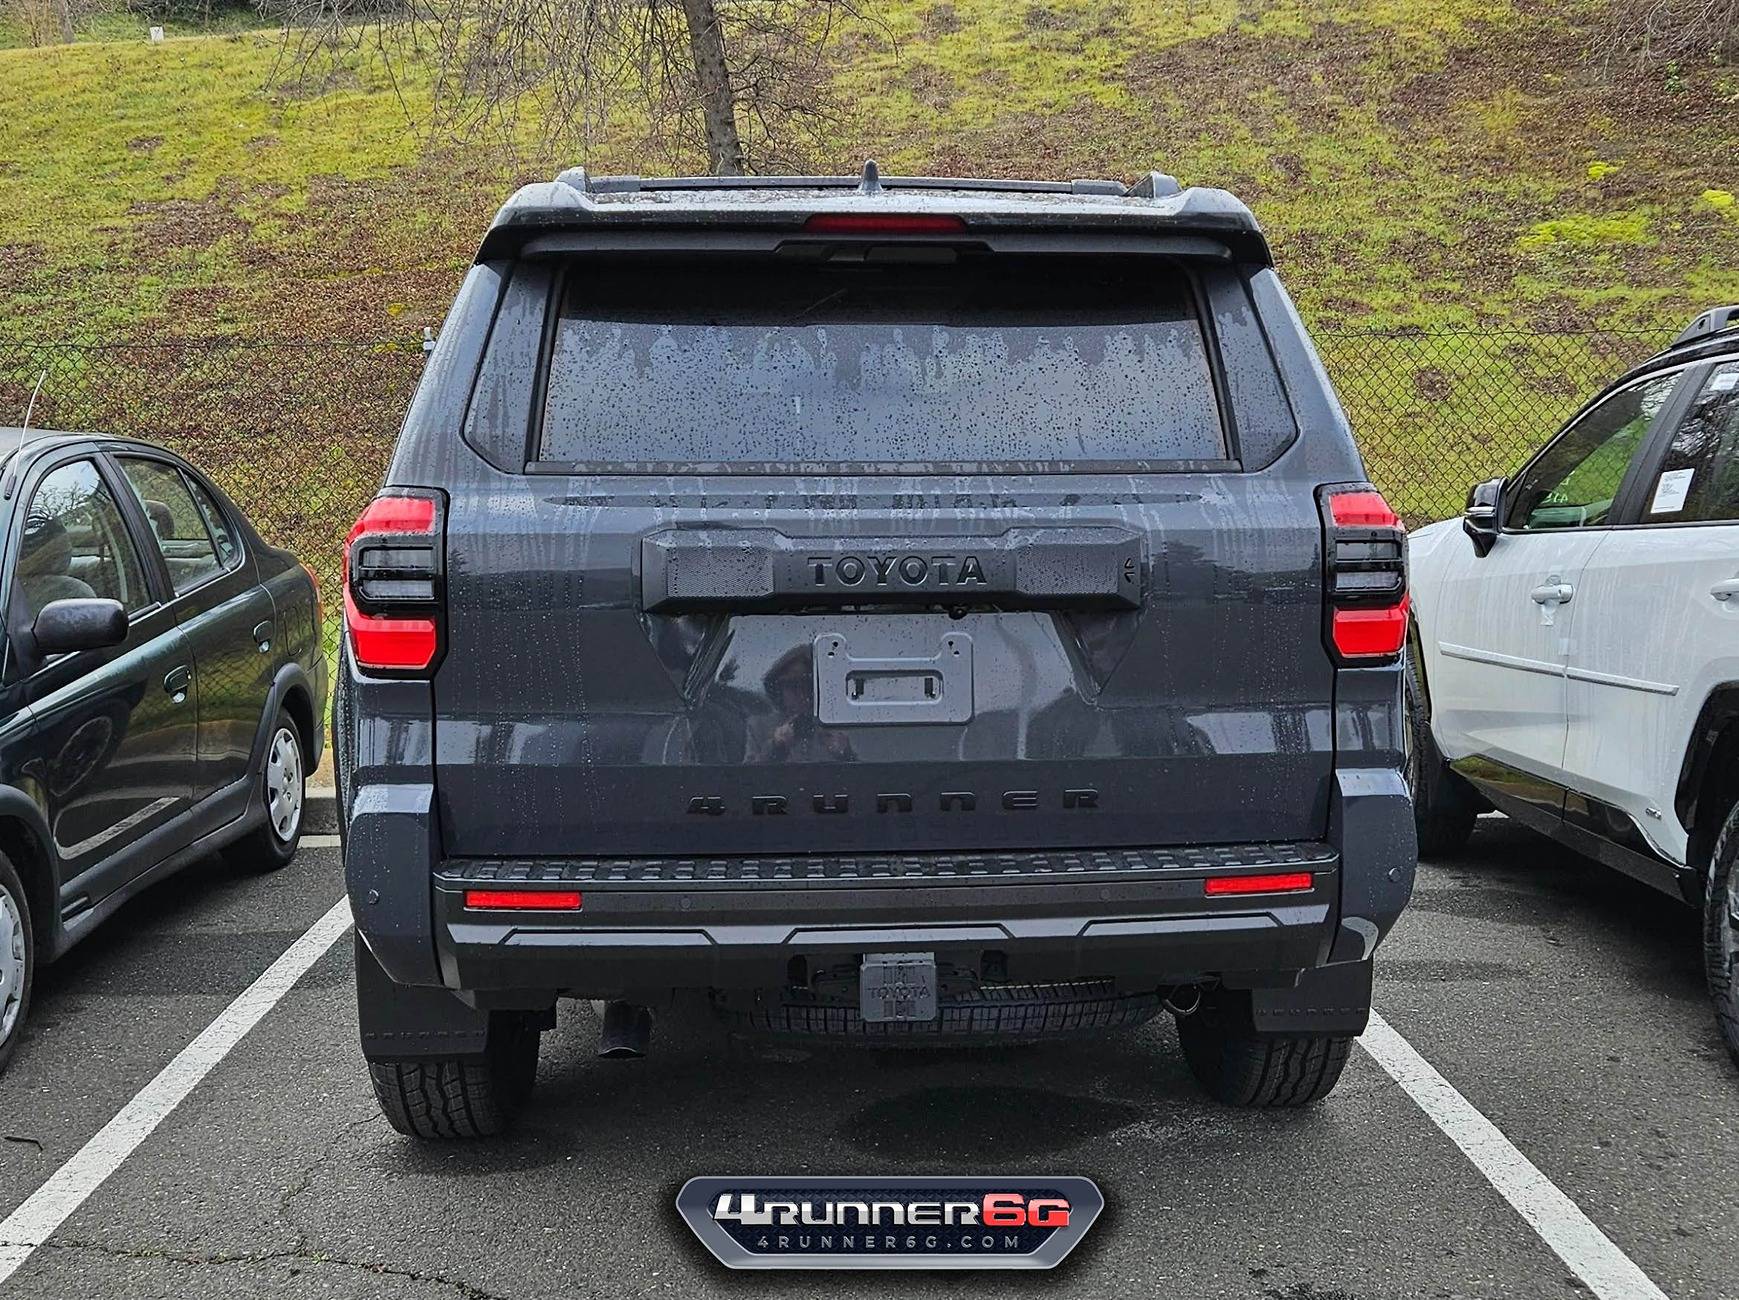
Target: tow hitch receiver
{"points": [[897, 986]]}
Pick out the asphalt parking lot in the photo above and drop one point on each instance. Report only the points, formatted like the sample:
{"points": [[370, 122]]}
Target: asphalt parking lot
{"points": [[1562, 1001]]}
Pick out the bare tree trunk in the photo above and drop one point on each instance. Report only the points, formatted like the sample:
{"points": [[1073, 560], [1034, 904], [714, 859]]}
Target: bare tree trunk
{"points": [[62, 11], [707, 40]]}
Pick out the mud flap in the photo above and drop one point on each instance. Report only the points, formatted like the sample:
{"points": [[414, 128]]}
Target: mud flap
{"points": [[1331, 1000], [412, 1022]]}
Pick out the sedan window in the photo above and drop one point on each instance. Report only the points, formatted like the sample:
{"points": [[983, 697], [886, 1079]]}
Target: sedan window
{"points": [[75, 544], [176, 520], [1574, 482]]}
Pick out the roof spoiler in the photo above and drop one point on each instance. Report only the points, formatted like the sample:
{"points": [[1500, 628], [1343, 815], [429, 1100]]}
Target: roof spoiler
{"points": [[1153, 185], [1709, 324], [580, 205]]}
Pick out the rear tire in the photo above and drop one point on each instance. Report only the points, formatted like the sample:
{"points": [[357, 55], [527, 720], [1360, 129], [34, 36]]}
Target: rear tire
{"points": [[1238, 1067], [284, 791], [1443, 805], [462, 1097], [17, 960], [1721, 932]]}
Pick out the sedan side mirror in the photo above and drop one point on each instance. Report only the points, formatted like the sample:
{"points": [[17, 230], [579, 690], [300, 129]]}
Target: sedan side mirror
{"points": [[79, 623], [1481, 520]]}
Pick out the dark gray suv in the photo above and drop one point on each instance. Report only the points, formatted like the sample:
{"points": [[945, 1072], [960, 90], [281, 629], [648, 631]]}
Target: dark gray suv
{"points": [[886, 610]]}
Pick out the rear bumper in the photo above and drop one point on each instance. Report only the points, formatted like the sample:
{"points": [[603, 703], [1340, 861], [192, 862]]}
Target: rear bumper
{"points": [[1139, 916]]}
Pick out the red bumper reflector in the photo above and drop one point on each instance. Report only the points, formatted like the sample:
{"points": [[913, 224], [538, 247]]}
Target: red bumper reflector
{"points": [[523, 900], [883, 223], [1285, 882], [1370, 633]]}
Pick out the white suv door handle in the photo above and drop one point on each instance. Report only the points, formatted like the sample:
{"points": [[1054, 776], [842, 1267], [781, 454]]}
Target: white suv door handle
{"points": [[1725, 590], [1559, 592]]}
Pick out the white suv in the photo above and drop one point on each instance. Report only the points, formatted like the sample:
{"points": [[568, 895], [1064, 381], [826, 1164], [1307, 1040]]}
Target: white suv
{"points": [[1574, 653]]}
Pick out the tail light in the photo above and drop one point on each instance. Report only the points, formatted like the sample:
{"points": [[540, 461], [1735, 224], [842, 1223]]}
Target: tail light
{"points": [[393, 572], [1365, 575]]}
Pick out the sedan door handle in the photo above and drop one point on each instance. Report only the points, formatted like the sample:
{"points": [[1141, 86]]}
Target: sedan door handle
{"points": [[263, 635], [177, 681], [1725, 590], [1559, 592]]}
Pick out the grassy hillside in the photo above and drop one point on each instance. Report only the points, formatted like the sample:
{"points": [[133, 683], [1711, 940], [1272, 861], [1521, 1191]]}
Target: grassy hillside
{"points": [[1418, 162], [1427, 166]]}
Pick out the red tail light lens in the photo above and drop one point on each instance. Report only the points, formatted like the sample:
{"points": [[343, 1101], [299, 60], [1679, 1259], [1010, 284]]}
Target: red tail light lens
{"points": [[395, 515], [1361, 510], [883, 223], [523, 900], [392, 571], [1285, 882], [1370, 633], [1364, 575], [400, 644]]}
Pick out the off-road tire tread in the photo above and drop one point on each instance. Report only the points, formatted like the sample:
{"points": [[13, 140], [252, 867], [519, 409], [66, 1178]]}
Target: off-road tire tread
{"points": [[458, 1098], [1718, 967], [1260, 1072]]}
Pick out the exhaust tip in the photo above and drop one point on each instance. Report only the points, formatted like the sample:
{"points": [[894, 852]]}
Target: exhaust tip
{"points": [[626, 1032]]}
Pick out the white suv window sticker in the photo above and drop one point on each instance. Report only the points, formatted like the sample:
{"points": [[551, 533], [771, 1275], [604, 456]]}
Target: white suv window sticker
{"points": [[1671, 490]]}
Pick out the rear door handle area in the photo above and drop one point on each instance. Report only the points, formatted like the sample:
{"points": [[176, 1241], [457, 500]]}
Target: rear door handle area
{"points": [[177, 681], [263, 635], [1553, 593], [1725, 590]]}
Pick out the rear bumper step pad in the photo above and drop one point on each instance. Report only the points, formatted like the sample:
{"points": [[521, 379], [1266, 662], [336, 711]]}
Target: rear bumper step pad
{"points": [[1139, 916], [896, 868]]}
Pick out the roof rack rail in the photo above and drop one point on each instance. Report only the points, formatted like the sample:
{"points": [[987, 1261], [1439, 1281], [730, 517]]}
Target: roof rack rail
{"points": [[1709, 324], [1154, 185]]}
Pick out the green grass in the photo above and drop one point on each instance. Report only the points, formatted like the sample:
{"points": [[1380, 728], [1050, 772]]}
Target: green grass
{"points": [[1417, 162]]}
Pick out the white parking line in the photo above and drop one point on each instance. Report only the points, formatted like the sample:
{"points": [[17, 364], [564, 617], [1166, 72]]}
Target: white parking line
{"points": [[33, 1222], [1588, 1252], [319, 841]]}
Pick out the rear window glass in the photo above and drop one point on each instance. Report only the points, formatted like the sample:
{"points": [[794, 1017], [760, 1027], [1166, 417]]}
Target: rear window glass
{"points": [[995, 360]]}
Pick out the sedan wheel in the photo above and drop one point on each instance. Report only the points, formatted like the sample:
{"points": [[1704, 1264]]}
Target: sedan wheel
{"points": [[14, 962], [284, 785]]}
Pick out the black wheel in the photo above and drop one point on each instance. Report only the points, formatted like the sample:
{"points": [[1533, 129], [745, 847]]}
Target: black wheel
{"points": [[462, 1097], [1443, 806], [1721, 932], [1257, 1071], [283, 791], [17, 960]]}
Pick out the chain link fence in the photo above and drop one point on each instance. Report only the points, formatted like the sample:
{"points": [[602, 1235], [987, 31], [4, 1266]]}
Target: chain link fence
{"points": [[299, 432]]}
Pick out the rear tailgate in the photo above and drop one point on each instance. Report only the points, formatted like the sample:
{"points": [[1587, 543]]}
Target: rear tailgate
{"points": [[1033, 599]]}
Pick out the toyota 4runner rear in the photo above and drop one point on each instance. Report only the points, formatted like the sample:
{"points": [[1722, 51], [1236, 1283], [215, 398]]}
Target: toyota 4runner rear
{"points": [[883, 610]]}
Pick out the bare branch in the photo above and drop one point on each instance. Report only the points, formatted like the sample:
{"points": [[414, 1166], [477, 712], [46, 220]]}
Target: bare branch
{"points": [[743, 83], [1649, 33]]}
